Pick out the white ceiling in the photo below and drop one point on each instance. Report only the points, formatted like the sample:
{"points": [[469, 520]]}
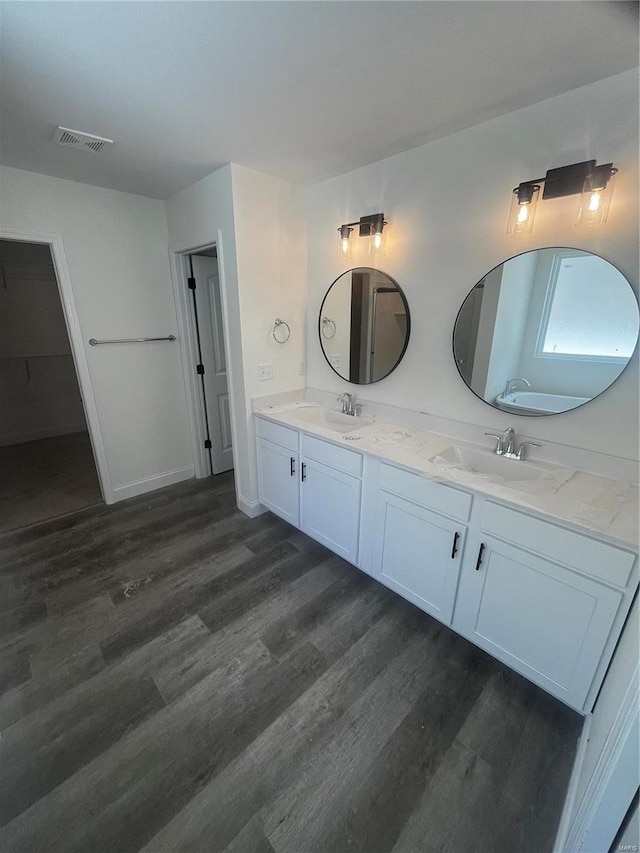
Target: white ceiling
{"points": [[301, 90]]}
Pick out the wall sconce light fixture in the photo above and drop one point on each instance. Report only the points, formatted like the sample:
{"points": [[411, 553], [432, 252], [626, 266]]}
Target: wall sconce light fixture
{"points": [[593, 183], [372, 226]]}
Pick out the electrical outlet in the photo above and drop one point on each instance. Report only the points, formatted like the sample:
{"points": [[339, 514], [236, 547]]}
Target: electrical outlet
{"points": [[265, 371], [302, 368], [335, 359]]}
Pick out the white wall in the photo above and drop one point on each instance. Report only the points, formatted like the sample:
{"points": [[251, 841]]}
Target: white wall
{"points": [[448, 204], [116, 250], [258, 222], [270, 238]]}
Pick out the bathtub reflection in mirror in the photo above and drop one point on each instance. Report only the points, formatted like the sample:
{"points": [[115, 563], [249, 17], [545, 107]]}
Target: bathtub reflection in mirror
{"points": [[546, 331]]}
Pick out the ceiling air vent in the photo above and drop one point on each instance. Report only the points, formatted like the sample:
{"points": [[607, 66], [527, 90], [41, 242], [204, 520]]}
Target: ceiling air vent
{"points": [[77, 139]]}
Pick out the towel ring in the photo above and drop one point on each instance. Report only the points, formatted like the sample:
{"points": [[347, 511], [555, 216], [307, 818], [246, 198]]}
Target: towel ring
{"points": [[328, 323], [277, 325]]}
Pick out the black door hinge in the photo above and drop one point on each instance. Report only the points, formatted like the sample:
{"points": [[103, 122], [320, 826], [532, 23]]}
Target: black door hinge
{"points": [[191, 282], [200, 369], [207, 443]]}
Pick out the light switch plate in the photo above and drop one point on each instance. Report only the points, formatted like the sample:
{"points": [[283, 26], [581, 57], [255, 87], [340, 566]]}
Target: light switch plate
{"points": [[265, 371]]}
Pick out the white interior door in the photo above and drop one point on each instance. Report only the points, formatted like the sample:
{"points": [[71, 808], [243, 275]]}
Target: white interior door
{"points": [[211, 327]]}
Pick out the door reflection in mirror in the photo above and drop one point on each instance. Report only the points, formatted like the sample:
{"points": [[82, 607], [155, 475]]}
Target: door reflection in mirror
{"points": [[546, 331], [364, 325]]}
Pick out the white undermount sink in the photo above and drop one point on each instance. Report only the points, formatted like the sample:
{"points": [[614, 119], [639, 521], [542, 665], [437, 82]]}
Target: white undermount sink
{"points": [[492, 465], [329, 419]]}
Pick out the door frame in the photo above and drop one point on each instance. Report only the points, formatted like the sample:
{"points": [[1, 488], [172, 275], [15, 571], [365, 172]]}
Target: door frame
{"points": [[613, 781], [179, 262], [78, 352]]}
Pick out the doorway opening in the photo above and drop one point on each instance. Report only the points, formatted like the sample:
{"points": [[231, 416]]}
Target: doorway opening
{"points": [[47, 467], [208, 358]]}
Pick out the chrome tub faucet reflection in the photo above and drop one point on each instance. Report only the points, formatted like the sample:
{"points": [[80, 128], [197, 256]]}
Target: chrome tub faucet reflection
{"points": [[512, 384]]}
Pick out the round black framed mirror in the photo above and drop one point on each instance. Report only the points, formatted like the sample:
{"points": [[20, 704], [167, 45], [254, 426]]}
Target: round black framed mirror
{"points": [[546, 331], [364, 325]]}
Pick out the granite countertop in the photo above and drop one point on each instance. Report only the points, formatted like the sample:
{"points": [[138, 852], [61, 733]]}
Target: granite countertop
{"points": [[585, 502]]}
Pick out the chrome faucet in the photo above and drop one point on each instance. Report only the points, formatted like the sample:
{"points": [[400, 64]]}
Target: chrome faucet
{"points": [[512, 384], [349, 405], [506, 444], [504, 441]]}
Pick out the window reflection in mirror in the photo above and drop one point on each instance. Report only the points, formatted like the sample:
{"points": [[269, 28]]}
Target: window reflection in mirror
{"points": [[546, 331], [364, 325]]}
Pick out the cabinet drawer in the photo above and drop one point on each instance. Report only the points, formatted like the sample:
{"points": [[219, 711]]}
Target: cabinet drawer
{"points": [[434, 496], [588, 556], [336, 457], [284, 436]]}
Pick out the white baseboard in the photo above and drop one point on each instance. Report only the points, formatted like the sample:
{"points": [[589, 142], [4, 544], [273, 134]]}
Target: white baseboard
{"points": [[572, 790], [251, 508], [150, 484], [24, 437]]}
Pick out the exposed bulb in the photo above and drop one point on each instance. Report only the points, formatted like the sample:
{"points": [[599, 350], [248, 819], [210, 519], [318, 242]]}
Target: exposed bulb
{"points": [[343, 247], [523, 209], [596, 196], [378, 237], [594, 202]]}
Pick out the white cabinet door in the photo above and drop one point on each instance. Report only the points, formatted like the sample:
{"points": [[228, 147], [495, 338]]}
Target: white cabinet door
{"points": [[278, 472], [417, 553], [330, 507], [547, 622]]}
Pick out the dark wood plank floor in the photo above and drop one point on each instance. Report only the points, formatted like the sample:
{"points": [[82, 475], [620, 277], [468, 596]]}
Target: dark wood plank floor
{"points": [[178, 677]]}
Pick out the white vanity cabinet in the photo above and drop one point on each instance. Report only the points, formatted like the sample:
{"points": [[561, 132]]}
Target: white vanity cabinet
{"points": [[542, 599], [548, 601], [419, 534], [312, 484]]}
